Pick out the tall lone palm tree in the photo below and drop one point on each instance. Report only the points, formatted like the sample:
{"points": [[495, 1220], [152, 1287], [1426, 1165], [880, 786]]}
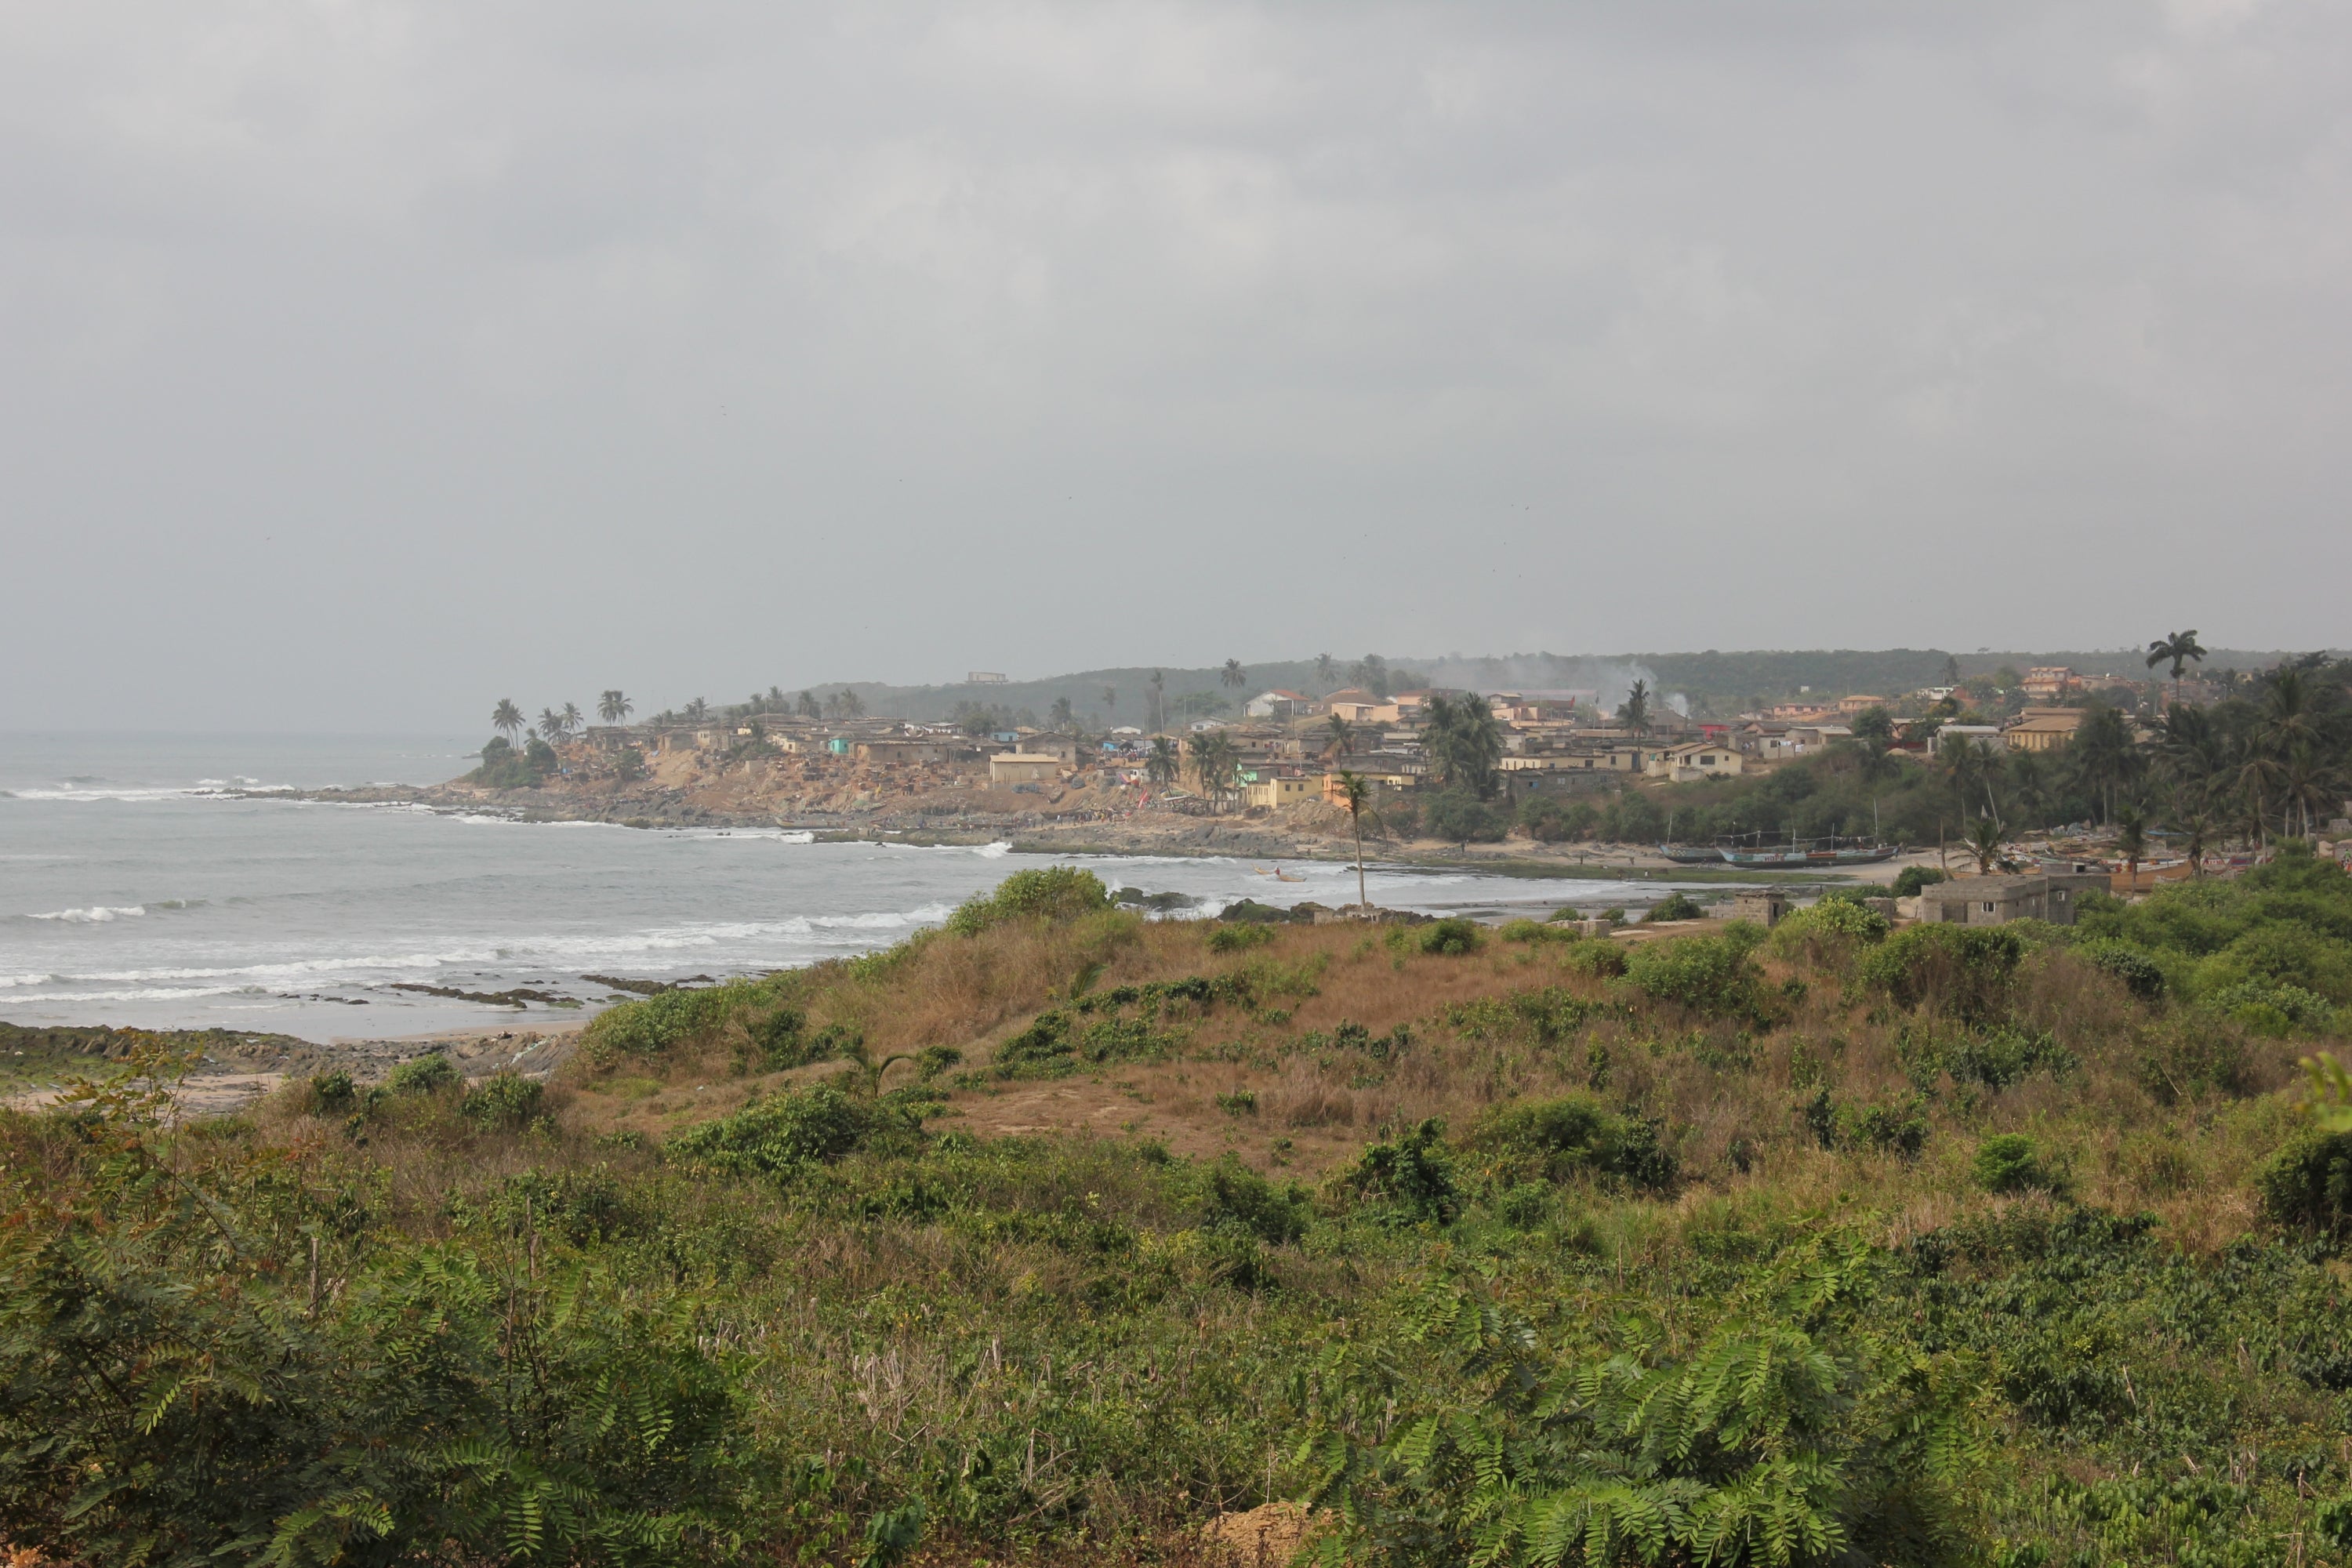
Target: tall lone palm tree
{"points": [[1159, 701], [1232, 674], [1342, 734], [2178, 648], [572, 718], [1163, 761], [1326, 671], [508, 720], [614, 706], [1110, 699], [1356, 795]]}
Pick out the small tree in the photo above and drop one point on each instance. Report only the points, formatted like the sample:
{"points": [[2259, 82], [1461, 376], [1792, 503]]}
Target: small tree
{"points": [[1634, 711], [1341, 735], [2131, 838]]}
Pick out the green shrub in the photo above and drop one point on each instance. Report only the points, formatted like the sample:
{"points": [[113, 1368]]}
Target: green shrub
{"points": [[1841, 921], [1455, 935], [1899, 1129], [1551, 820], [2141, 975], [2008, 1162], [1249, 911], [1462, 818], [1537, 930], [1707, 974], [2308, 1183], [1555, 1140], [1235, 1197], [1547, 1014], [1993, 1056], [1969, 972], [1909, 880], [1601, 960], [1048, 892], [660, 1023], [2186, 1057], [1676, 906], [784, 1134], [425, 1075], [1413, 1176], [2269, 1007], [503, 1100], [334, 1093], [1238, 938], [503, 767]]}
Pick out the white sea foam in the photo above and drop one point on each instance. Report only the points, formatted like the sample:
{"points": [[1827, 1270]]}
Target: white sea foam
{"points": [[95, 914]]}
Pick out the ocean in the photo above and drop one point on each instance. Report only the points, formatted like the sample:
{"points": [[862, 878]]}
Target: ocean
{"points": [[135, 892]]}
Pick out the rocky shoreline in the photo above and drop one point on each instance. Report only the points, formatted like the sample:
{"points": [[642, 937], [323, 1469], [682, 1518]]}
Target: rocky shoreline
{"points": [[1084, 832]]}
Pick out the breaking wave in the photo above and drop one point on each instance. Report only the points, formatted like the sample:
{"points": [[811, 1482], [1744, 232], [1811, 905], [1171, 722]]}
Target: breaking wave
{"points": [[94, 914]]}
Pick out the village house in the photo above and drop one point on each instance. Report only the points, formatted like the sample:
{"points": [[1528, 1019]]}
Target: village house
{"points": [[1022, 767], [1277, 790], [1852, 706], [2049, 682], [1278, 704], [903, 753], [1693, 759], [1378, 776], [2052, 896], [2042, 729], [1352, 703]]}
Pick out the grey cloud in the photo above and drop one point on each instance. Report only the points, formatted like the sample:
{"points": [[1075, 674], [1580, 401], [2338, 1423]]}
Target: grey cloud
{"points": [[357, 361]]}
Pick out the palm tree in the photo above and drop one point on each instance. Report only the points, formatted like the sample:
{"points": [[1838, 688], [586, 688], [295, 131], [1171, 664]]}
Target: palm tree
{"points": [[572, 718], [1634, 712], [2131, 838], [809, 706], [1985, 840], [1356, 795], [1163, 761], [697, 711], [1342, 735], [2180, 647], [550, 725], [1213, 762], [1232, 674], [508, 720], [1062, 713], [846, 704], [1327, 670], [1110, 699], [613, 707], [2305, 780], [1159, 701]]}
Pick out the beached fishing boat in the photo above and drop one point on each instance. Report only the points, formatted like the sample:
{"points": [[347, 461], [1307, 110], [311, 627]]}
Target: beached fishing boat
{"points": [[1799, 854], [1691, 854]]}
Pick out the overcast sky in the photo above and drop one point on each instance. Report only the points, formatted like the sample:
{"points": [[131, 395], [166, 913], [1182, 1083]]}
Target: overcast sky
{"points": [[360, 363]]}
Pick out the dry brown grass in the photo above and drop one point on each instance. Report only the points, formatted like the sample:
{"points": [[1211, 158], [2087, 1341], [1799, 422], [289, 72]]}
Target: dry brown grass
{"points": [[1732, 1101]]}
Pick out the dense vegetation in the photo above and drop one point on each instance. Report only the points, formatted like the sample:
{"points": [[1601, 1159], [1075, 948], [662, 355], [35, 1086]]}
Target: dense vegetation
{"points": [[2274, 758], [1835, 1245]]}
